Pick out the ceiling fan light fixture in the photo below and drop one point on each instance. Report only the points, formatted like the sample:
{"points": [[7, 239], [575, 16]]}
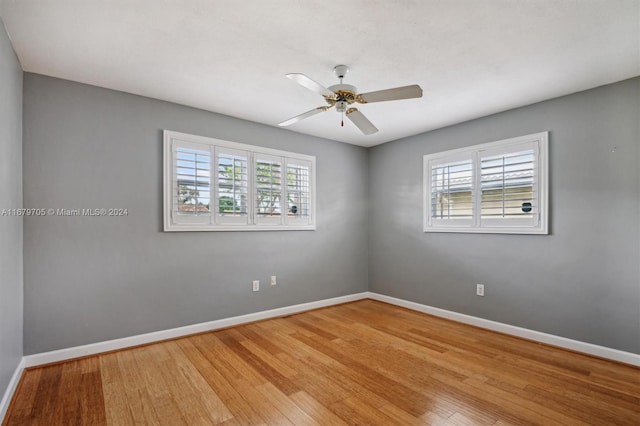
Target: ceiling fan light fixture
{"points": [[341, 106], [346, 88]]}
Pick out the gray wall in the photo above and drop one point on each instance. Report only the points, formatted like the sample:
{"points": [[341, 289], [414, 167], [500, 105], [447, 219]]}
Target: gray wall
{"points": [[583, 280], [10, 197], [94, 279]]}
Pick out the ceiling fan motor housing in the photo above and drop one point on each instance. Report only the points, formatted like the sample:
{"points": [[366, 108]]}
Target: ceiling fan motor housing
{"points": [[345, 94], [343, 88]]}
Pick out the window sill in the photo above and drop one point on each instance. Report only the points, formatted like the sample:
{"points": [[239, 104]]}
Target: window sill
{"points": [[492, 230], [243, 228]]}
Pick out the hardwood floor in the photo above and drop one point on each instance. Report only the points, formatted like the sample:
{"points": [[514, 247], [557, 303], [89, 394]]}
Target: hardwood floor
{"points": [[360, 363]]}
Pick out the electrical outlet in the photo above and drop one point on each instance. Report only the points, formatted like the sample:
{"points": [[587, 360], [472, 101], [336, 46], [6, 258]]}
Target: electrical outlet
{"points": [[479, 289], [273, 280], [256, 285]]}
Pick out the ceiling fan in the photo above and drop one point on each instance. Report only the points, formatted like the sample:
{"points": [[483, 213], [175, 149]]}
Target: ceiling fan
{"points": [[343, 95]]}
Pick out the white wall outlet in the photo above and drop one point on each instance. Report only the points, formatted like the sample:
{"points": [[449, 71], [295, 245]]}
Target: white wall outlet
{"points": [[479, 289], [256, 285], [273, 280]]}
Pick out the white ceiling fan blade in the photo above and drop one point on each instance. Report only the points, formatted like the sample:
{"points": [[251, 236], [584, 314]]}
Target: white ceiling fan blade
{"points": [[361, 121], [303, 116], [405, 92], [314, 86]]}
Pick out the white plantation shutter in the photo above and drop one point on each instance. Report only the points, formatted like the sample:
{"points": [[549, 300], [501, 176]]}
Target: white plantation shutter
{"points": [[216, 185], [498, 187], [268, 193], [191, 183], [298, 192], [451, 192], [232, 186], [509, 185]]}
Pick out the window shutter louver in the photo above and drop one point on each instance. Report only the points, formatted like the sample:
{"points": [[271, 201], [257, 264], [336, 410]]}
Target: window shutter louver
{"points": [[509, 186], [268, 171], [452, 191], [232, 184], [298, 192], [191, 184]]}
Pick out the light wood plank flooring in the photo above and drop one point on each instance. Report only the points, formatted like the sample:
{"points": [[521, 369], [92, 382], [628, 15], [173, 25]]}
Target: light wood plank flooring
{"points": [[361, 363]]}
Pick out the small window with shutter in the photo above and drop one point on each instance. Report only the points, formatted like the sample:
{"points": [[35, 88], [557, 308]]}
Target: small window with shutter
{"points": [[216, 185], [498, 187]]}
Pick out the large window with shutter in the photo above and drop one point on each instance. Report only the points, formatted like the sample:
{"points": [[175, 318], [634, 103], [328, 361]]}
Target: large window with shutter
{"points": [[216, 185], [497, 187]]}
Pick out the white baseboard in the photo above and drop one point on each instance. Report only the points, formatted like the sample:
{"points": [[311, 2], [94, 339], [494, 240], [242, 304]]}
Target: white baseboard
{"points": [[111, 345], [142, 339], [550, 339], [8, 393]]}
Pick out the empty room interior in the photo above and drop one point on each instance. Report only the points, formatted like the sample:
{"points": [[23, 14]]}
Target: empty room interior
{"points": [[320, 212]]}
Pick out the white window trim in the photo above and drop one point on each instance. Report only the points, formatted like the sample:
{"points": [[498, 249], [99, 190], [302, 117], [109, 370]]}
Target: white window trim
{"points": [[541, 140], [252, 150]]}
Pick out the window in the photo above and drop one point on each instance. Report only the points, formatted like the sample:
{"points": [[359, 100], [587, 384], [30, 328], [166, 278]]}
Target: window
{"points": [[216, 185], [268, 188], [498, 187], [298, 190], [232, 186]]}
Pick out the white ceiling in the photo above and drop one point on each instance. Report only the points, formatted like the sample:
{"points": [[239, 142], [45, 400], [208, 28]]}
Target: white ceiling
{"points": [[471, 57]]}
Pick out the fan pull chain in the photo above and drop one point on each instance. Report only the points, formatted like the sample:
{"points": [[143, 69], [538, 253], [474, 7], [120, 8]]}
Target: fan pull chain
{"points": [[342, 120]]}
